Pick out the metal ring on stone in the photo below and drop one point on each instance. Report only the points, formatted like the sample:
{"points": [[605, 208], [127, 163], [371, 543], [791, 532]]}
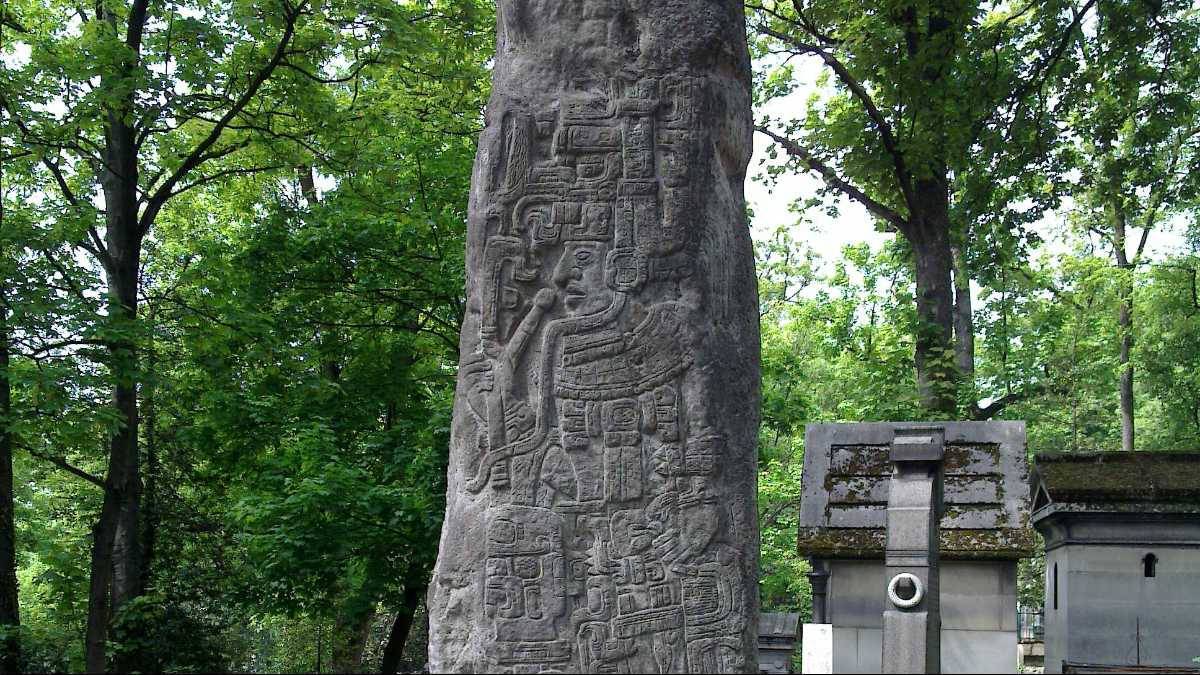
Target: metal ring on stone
{"points": [[918, 591]]}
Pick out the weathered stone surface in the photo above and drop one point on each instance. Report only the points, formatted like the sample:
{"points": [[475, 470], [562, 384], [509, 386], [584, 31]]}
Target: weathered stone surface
{"points": [[1122, 537], [601, 502], [912, 622], [847, 477]]}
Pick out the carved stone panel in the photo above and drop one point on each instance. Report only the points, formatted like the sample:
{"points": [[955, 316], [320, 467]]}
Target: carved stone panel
{"points": [[601, 503]]}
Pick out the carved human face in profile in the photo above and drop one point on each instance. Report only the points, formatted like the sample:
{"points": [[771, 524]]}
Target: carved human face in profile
{"points": [[580, 273]]}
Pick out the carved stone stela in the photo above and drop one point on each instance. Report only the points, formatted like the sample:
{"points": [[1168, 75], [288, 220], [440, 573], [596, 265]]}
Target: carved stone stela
{"points": [[601, 503]]}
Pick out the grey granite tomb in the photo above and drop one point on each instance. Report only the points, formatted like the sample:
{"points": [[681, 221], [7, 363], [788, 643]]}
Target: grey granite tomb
{"points": [[984, 531], [601, 501], [777, 638], [1122, 532]]}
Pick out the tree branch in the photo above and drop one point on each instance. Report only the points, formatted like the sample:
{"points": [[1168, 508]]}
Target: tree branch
{"points": [[833, 180], [63, 464], [76, 289], [67, 193], [997, 406], [48, 347], [886, 136], [96, 247], [224, 173], [1038, 77], [197, 155], [811, 28], [10, 20]]}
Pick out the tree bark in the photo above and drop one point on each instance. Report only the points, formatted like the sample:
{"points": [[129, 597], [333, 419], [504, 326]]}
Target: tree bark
{"points": [[401, 627], [928, 233], [96, 637], [320, 645], [964, 320], [10, 609], [349, 638], [116, 549], [1124, 323], [308, 184], [149, 540]]}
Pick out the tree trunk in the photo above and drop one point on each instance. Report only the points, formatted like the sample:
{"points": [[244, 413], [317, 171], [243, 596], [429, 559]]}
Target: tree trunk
{"points": [[10, 609], [1124, 323], [320, 646], [964, 321], [401, 627], [98, 589], [116, 549], [150, 512], [929, 235], [349, 638], [308, 184]]}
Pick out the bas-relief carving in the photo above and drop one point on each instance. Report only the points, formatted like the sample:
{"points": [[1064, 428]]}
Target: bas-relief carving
{"points": [[591, 477], [606, 551]]}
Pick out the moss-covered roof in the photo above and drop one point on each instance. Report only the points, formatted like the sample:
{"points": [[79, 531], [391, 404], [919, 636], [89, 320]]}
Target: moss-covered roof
{"points": [[973, 544], [1098, 477], [846, 482]]}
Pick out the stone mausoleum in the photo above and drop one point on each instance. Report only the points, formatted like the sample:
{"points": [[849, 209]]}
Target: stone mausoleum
{"points": [[1122, 534], [984, 532], [777, 633]]}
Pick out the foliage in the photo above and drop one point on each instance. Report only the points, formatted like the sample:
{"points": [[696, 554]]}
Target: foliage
{"points": [[296, 348]]}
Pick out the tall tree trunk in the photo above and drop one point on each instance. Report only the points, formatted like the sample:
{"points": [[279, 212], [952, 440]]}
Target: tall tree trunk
{"points": [[10, 609], [116, 549], [964, 321], [350, 632], [308, 184], [150, 512], [929, 235], [103, 533], [351, 626], [1124, 323], [402, 626], [320, 646]]}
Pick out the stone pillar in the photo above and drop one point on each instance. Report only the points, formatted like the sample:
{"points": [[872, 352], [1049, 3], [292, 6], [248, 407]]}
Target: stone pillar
{"points": [[601, 500], [912, 624], [818, 581]]}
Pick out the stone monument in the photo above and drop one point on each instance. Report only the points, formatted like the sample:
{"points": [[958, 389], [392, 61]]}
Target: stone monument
{"points": [[866, 517], [601, 499], [1122, 537], [912, 627]]}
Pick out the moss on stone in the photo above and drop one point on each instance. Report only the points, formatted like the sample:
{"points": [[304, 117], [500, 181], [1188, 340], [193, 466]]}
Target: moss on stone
{"points": [[1099, 477], [972, 544]]}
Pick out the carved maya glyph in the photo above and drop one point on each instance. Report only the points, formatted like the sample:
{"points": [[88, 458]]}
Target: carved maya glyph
{"points": [[601, 502]]}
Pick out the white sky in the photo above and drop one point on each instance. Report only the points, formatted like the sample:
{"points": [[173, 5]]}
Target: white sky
{"points": [[770, 203]]}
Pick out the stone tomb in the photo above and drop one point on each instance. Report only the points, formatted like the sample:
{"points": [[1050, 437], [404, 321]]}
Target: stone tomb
{"points": [[1122, 533], [984, 531], [601, 487], [777, 633]]}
